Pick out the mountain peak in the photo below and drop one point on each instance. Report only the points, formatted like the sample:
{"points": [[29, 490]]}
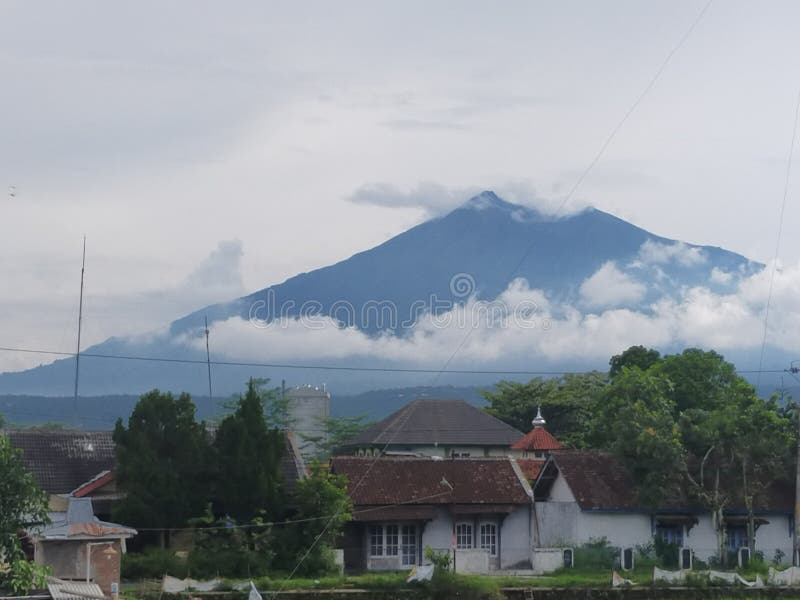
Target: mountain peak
{"points": [[488, 199]]}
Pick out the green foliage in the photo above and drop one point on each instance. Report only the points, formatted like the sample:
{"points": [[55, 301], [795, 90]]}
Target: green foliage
{"points": [[222, 548], [440, 560], [568, 403], [667, 554], [25, 576], [446, 585], [153, 563], [162, 462], [596, 554], [339, 430], [635, 356], [636, 423], [22, 504], [323, 507], [248, 455]]}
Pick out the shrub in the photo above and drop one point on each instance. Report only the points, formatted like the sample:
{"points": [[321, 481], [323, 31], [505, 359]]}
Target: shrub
{"points": [[232, 551], [446, 585], [596, 554], [440, 560], [152, 563], [666, 553]]}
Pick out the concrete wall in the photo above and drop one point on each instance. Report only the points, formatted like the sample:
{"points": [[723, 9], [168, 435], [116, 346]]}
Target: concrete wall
{"points": [[308, 407], [67, 559], [515, 539], [547, 560]]}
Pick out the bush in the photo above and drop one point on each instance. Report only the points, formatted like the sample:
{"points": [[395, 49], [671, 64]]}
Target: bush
{"points": [[232, 551], [152, 563], [667, 554], [596, 554], [440, 560], [446, 585]]}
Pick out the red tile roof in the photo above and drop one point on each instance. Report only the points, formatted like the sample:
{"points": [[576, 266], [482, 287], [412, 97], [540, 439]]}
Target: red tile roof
{"points": [[394, 481], [537, 439]]}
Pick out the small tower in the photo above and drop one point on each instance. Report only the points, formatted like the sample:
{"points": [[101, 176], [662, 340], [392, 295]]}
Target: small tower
{"points": [[538, 443]]}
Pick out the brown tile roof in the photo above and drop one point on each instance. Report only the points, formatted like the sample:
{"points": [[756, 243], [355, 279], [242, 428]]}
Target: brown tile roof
{"points": [[62, 460], [429, 421], [392, 481], [598, 480], [530, 467]]}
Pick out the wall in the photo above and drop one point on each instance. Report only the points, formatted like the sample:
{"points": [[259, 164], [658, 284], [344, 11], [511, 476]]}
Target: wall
{"points": [[547, 560], [67, 559], [556, 524], [516, 540]]}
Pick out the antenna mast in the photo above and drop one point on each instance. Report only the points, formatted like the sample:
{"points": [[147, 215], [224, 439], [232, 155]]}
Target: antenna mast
{"points": [[208, 362], [80, 320]]}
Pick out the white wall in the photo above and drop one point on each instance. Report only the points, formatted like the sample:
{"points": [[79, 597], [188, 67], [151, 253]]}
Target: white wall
{"points": [[515, 539]]}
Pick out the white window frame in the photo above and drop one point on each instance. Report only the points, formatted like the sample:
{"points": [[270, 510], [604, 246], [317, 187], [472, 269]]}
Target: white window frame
{"points": [[408, 558], [391, 539], [376, 550], [491, 546], [461, 535]]}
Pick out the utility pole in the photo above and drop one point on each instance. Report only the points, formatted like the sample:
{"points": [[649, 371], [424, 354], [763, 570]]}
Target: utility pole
{"points": [[80, 320], [796, 558], [208, 362]]}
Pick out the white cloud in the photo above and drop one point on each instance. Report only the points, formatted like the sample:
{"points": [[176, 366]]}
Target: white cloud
{"points": [[720, 276], [698, 318], [609, 287], [652, 252]]}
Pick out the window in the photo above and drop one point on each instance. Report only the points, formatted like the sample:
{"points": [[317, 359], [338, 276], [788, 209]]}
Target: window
{"points": [[737, 537], [409, 544], [460, 454], [671, 534], [376, 540], [392, 540], [488, 533], [463, 536]]}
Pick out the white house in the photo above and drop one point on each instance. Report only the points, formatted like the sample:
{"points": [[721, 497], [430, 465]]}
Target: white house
{"points": [[581, 496], [476, 509]]}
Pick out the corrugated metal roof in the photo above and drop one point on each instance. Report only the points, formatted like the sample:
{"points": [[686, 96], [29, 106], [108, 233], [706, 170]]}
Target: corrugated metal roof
{"points": [[73, 590]]}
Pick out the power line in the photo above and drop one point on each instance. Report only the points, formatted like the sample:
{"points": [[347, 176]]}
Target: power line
{"points": [[229, 363], [599, 154], [780, 232]]}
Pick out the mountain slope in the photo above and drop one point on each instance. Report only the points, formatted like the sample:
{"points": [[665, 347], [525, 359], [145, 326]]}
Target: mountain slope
{"points": [[486, 242]]}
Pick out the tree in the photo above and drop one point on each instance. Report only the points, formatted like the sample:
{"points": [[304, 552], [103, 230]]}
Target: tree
{"points": [[636, 423], [323, 507], [248, 455], [338, 431], [635, 356], [22, 505], [162, 463], [568, 403]]}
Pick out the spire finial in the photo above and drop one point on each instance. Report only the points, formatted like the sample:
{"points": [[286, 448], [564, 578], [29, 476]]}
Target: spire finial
{"points": [[538, 420]]}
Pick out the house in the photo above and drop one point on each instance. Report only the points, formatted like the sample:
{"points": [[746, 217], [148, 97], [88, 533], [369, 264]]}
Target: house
{"points": [[583, 495], [431, 427], [477, 509], [79, 546], [66, 462]]}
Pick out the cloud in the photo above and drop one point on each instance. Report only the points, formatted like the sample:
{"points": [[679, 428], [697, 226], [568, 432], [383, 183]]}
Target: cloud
{"points": [[436, 199], [652, 252], [609, 287], [219, 274], [699, 317], [720, 276]]}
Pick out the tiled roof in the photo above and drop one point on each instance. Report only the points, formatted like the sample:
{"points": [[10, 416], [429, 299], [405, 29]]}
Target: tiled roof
{"points": [[428, 421], [62, 460], [292, 466], [598, 480], [530, 467], [393, 481], [539, 439]]}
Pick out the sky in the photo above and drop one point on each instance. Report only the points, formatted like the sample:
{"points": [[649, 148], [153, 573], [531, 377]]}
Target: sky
{"points": [[208, 150]]}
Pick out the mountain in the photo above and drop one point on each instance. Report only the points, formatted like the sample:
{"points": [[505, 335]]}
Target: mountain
{"points": [[475, 251]]}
